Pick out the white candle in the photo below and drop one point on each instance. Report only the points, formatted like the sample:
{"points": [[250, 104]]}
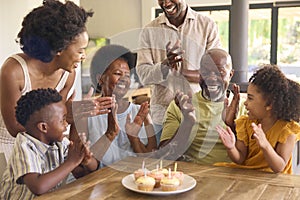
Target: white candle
{"points": [[160, 164]]}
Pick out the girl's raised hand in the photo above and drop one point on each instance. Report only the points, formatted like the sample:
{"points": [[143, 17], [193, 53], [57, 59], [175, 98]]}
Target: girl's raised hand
{"points": [[259, 135], [227, 137]]}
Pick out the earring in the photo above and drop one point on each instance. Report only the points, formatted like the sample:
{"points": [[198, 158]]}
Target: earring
{"points": [[268, 108]]}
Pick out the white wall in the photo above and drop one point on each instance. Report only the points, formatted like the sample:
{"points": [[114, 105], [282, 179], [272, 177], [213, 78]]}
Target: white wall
{"points": [[11, 16], [12, 13], [112, 16]]}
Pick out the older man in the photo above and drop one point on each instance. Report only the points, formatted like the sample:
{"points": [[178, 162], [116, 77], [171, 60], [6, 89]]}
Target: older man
{"points": [[190, 125]]}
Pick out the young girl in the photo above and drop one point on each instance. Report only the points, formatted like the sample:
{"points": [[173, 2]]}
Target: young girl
{"points": [[267, 135]]}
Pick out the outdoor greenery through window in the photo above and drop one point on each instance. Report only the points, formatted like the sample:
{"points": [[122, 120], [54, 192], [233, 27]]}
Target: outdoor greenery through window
{"points": [[288, 51], [259, 37], [221, 17]]}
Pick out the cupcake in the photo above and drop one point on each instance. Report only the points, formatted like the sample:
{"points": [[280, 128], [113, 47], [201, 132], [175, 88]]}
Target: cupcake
{"points": [[157, 175], [145, 183], [179, 175], [140, 172], [169, 183], [163, 170]]}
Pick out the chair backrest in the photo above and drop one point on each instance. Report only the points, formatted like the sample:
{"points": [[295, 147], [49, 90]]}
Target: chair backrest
{"points": [[2, 164], [296, 159]]}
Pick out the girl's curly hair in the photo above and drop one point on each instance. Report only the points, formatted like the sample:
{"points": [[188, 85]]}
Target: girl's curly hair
{"points": [[34, 101], [280, 92], [50, 28]]}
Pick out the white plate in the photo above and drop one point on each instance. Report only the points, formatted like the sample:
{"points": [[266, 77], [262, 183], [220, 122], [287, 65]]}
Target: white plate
{"points": [[188, 184]]}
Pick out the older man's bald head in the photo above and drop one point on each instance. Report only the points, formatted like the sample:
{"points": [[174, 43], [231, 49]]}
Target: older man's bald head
{"points": [[217, 56]]}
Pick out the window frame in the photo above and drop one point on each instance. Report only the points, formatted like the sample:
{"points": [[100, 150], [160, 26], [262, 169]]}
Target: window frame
{"points": [[274, 19]]}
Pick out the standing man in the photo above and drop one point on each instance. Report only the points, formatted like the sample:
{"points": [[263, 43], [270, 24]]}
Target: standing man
{"points": [[170, 49]]}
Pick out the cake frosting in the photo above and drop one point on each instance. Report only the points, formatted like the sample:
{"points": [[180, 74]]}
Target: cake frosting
{"points": [[145, 183]]}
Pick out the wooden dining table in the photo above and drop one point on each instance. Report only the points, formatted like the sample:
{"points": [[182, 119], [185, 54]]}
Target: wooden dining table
{"points": [[212, 183]]}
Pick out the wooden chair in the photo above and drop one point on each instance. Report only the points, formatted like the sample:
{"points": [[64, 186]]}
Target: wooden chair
{"points": [[296, 159]]}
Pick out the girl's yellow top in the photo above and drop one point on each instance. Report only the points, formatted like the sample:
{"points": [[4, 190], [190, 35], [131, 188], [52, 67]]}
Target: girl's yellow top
{"points": [[277, 134]]}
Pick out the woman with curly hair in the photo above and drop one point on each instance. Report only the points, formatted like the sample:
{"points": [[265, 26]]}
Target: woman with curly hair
{"points": [[53, 39], [267, 135]]}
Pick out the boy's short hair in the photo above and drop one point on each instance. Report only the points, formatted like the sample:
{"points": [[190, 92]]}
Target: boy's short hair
{"points": [[34, 101]]}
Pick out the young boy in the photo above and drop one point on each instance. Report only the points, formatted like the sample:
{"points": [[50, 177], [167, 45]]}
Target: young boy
{"points": [[42, 157]]}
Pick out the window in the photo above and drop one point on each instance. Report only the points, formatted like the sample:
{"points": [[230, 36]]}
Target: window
{"points": [[259, 36], [221, 17], [273, 33], [288, 48]]}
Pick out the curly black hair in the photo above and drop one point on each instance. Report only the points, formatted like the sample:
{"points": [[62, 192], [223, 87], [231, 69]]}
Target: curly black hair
{"points": [[34, 101], [280, 92], [51, 28]]}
